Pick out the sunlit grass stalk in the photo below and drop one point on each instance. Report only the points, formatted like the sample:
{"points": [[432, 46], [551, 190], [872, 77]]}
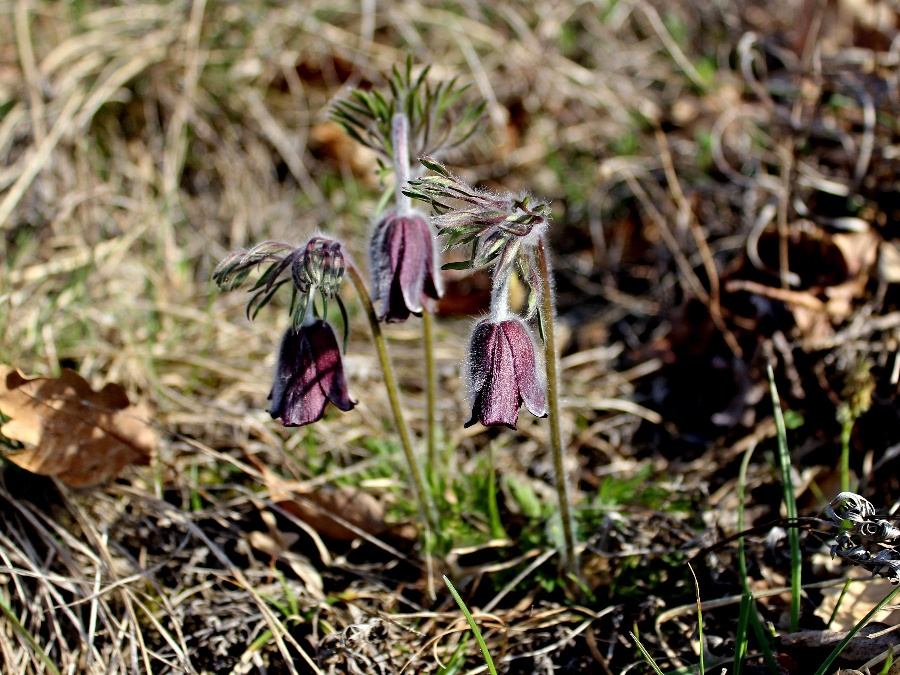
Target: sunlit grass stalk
{"points": [[400, 142], [423, 496], [699, 621], [492, 669], [548, 322], [646, 655], [840, 601], [790, 503]]}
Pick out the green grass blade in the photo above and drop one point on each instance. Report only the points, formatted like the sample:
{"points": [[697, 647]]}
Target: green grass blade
{"points": [[753, 616], [457, 660], [826, 664], [496, 523], [888, 662], [747, 603], [846, 432], [840, 601], [759, 632], [699, 621], [646, 654], [790, 503], [28, 637], [740, 637], [474, 626]]}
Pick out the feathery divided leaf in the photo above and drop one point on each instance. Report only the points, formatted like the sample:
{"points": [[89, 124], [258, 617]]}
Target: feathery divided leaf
{"points": [[438, 117]]}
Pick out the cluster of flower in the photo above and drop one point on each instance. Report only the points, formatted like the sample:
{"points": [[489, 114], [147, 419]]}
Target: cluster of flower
{"points": [[856, 517], [502, 365]]}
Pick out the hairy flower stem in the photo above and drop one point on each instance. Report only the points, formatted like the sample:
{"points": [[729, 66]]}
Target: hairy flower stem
{"points": [[403, 204], [548, 322], [423, 496], [400, 143], [430, 392]]}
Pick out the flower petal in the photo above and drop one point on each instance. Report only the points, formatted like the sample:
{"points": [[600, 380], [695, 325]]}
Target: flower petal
{"points": [[296, 397], [531, 388], [403, 264], [497, 400], [480, 349], [413, 260], [380, 265], [433, 283], [329, 368]]}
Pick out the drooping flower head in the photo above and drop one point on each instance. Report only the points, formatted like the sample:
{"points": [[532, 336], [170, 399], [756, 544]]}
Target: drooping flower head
{"points": [[503, 374], [308, 375], [309, 372], [500, 230], [413, 117], [403, 263]]}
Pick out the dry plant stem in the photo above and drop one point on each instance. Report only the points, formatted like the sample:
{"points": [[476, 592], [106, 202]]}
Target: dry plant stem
{"points": [[548, 320], [393, 392], [783, 205], [430, 391]]}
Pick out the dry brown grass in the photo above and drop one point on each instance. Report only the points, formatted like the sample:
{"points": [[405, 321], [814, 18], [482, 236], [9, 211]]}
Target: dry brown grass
{"points": [[139, 143]]}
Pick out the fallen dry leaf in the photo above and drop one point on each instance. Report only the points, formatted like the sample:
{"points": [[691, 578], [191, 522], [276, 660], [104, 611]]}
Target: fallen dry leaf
{"points": [[70, 431], [335, 512], [325, 508], [860, 597]]}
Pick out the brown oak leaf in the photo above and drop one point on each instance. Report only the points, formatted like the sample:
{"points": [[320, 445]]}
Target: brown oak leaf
{"points": [[338, 512], [81, 436]]}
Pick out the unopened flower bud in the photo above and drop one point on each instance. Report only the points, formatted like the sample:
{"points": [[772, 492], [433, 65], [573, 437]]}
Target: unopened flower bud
{"points": [[320, 265]]}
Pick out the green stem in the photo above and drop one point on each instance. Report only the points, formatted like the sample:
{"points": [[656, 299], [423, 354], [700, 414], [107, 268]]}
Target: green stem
{"points": [[430, 392], [548, 321], [790, 502], [497, 531], [393, 392]]}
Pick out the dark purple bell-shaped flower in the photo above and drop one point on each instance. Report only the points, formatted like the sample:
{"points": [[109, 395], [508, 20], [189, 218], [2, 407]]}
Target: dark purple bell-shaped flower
{"points": [[309, 374], [403, 264], [503, 373]]}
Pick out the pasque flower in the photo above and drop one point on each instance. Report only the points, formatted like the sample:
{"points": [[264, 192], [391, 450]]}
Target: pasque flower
{"points": [[502, 372], [404, 265], [309, 374]]}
